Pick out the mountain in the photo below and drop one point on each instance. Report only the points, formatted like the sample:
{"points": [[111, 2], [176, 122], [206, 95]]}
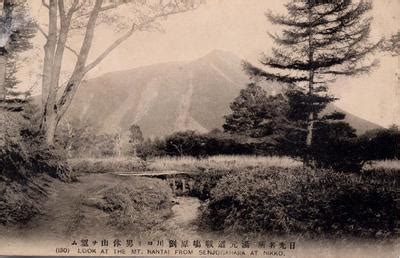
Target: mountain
{"points": [[168, 97]]}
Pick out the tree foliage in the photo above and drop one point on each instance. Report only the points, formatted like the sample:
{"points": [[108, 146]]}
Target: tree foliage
{"points": [[392, 45], [255, 114], [319, 40], [135, 138]]}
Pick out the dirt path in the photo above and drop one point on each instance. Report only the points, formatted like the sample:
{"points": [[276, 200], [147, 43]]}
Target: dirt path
{"points": [[65, 214]]}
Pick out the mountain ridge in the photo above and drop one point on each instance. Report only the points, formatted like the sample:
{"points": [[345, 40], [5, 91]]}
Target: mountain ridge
{"points": [[168, 97]]}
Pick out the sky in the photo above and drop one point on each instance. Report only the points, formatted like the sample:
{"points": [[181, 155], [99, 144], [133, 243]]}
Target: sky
{"points": [[238, 26]]}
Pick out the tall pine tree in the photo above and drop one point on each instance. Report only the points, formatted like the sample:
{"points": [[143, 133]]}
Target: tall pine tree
{"points": [[319, 41]]}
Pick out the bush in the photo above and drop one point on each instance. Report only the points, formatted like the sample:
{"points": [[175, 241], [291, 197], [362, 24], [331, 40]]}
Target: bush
{"points": [[25, 165], [382, 144], [204, 182], [337, 146], [301, 201], [151, 148], [138, 206]]}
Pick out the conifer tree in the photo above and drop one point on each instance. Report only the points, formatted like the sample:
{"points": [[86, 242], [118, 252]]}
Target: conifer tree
{"points": [[255, 114], [319, 41], [16, 31]]}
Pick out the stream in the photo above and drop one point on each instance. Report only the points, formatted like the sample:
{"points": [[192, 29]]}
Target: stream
{"points": [[183, 223], [185, 217]]}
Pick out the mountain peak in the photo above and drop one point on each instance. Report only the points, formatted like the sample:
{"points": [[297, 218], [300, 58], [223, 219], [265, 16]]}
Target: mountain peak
{"points": [[219, 52], [222, 55]]}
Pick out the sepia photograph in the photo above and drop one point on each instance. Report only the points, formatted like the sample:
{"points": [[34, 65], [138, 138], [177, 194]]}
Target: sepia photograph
{"points": [[200, 128]]}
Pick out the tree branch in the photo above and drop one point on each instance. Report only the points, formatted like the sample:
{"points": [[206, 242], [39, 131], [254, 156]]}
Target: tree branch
{"points": [[134, 28], [42, 31], [67, 47], [45, 4], [73, 51], [111, 6], [78, 73], [109, 50]]}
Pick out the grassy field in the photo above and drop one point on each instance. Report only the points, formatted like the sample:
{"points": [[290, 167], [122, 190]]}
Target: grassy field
{"points": [[186, 163], [220, 163], [104, 165], [384, 165]]}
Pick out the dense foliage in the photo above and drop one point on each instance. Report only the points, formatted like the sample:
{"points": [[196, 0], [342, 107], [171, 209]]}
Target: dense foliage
{"points": [[336, 146], [190, 143], [304, 201], [280, 123], [25, 164], [255, 114]]}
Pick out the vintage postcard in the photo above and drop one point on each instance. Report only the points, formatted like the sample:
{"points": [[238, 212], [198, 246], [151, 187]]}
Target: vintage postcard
{"points": [[200, 128]]}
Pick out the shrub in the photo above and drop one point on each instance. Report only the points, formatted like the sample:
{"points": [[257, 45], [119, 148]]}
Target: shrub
{"points": [[138, 206], [204, 182], [302, 201], [25, 162], [380, 144], [151, 148], [337, 146]]}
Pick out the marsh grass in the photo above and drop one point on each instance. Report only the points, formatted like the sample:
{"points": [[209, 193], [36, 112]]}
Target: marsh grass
{"points": [[220, 163], [105, 165], [393, 165]]}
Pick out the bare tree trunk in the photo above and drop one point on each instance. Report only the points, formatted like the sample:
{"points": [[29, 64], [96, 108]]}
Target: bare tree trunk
{"points": [[49, 124], [70, 133], [310, 129], [54, 109], [310, 126], [312, 116], [135, 151], [3, 64]]}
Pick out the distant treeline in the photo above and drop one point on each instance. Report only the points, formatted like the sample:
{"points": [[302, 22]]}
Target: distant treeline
{"points": [[345, 153], [335, 145]]}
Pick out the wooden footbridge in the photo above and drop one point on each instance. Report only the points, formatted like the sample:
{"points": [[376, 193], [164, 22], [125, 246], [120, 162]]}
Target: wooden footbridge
{"points": [[181, 182]]}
